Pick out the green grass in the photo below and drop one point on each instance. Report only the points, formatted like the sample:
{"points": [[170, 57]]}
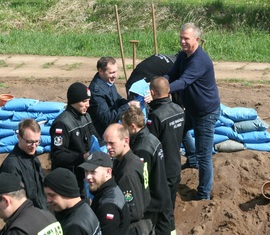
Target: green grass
{"points": [[3, 64], [244, 82], [48, 65], [69, 67], [234, 30]]}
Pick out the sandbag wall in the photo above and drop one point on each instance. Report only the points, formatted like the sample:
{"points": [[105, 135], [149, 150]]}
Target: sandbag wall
{"points": [[17, 109], [237, 129], [244, 129]]}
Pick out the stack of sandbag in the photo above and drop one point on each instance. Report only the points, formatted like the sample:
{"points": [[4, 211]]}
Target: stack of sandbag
{"points": [[244, 129], [237, 129], [17, 109]]}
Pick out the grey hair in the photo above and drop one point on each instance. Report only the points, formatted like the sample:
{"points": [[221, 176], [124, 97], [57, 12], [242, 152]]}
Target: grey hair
{"points": [[196, 29]]}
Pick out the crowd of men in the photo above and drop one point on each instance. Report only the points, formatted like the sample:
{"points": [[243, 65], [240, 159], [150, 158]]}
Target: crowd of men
{"points": [[134, 184]]}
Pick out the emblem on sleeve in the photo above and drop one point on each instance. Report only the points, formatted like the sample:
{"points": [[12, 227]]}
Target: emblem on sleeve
{"points": [[128, 195], [58, 140]]}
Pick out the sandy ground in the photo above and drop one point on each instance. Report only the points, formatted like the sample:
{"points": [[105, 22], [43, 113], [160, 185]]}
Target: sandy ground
{"points": [[238, 206]]}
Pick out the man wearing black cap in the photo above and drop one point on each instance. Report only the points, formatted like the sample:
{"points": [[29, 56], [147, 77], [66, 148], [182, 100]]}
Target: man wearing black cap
{"points": [[63, 195], [71, 132], [18, 212], [109, 203]]}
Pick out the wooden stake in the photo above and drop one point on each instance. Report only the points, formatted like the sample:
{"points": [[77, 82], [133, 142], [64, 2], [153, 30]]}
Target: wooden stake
{"points": [[134, 42], [154, 28], [120, 41]]}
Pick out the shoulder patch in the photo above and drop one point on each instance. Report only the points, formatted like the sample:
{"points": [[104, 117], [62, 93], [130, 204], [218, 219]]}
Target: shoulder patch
{"points": [[149, 121], [58, 140], [58, 131], [128, 195], [110, 216]]}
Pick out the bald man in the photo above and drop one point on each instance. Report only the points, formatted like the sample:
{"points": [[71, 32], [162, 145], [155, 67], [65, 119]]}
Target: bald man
{"points": [[166, 121]]}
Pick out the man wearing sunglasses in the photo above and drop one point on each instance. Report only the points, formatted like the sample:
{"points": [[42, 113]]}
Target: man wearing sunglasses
{"points": [[23, 162]]}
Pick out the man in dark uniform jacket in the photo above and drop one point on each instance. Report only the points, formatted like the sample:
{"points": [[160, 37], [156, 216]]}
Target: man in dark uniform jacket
{"points": [[166, 121], [18, 212], [106, 103], [130, 175], [109, 202], [71, 132], [149, 149], [23, 162], [63, 195], [155, 65]]}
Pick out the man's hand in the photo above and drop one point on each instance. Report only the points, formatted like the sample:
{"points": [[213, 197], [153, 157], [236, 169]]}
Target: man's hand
{"points": [[148, 98], [134, 103], [86, 155]]}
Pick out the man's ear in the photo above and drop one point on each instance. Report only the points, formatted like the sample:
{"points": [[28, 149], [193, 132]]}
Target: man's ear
{"points": [[100, 71], [126, 140], [152, 92], [6, 200]]}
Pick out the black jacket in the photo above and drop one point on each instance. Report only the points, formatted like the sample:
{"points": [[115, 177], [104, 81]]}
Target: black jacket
{"points": [[147, 147], [106, 104], [79, 220], [29, 220], [155, 65], [70, 138], [129, 174], [111, 209], [28, 168], [166, 121]]}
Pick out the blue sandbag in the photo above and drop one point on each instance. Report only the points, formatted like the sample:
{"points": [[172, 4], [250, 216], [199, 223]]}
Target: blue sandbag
{"points": [[19, 115], [94, 145], [5, 114], [19, 104], [45, 140], [254, 137], [6, 149], [238, 114], [48, 116], [9, 140], [47, 107], [140, 87], [250, 125], [39, 150], [258, 146], [47, 148], [222, 107], [220, 138], [225, 121], [8, 124], [6, 132], [227, 131], [45, 130]]}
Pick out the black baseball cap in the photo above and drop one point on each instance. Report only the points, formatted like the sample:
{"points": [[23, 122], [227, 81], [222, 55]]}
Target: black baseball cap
{"points": [[95, 160], [9, 183]]}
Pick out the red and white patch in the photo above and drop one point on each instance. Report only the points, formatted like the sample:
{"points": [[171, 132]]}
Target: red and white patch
{"points": [[110, 216], [149, 122], [58, 131]]}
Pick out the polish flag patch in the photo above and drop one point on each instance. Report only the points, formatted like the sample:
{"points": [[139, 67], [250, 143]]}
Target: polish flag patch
{"points": [[110, 216], [58, 131], [149, 122]]}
